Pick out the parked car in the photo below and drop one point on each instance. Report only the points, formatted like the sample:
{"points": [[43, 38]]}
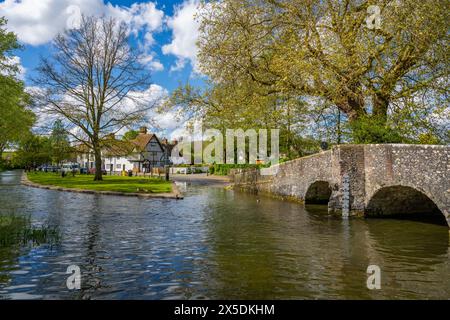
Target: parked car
{"points": [[71, 167], [48, 168]]}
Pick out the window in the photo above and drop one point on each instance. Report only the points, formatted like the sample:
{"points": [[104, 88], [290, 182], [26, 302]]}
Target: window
{"points": [[118, 166]]}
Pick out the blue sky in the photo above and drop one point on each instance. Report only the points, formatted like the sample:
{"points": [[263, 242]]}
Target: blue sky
{"points": [[165, 31], [33, 22]]}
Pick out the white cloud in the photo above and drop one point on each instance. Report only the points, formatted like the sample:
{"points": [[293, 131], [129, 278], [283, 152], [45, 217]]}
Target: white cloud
{"points": [[166, 124], [167, 121], [38, 22], [148, 59], [152, 97], [139, 17], [185, 30], [157, 92], [146, 14], [14, 61], [22, 70]]}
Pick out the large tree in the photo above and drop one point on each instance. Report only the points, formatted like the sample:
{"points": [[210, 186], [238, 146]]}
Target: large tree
{"points": [[94, 83], [33, 151], [60, 144], [242, 105], [130, 135], [15, 117], [331, 50]]}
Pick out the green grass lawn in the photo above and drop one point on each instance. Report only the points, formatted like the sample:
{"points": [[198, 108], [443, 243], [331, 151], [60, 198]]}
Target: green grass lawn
{"points": [[109, 183]]}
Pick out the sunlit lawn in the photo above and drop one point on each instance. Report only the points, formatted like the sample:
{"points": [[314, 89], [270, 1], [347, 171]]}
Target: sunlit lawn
{"points": [[109, 183]]}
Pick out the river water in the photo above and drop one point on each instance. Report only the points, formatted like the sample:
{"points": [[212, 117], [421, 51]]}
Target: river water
{"points": [[214, 244]]}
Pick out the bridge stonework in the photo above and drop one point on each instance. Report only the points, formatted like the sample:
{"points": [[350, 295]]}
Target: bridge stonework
{"points": [[382, 178]]}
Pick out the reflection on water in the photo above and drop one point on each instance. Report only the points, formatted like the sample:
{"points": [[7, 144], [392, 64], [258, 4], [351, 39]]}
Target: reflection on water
{"points": [[16, 230], [215, 243]]}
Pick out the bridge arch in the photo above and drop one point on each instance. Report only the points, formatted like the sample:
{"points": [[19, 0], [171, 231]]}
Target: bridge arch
{"points": [[401, 201], [318, 192]]}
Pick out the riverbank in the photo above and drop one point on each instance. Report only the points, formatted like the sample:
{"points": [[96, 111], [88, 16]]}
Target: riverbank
{"points": [[111, 185], [202, 179]]}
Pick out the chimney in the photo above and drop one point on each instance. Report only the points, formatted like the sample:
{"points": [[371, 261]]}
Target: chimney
{"points": [[143, 130]]}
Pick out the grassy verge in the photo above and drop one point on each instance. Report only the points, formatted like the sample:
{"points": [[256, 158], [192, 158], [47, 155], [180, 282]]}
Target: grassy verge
{"points": [[110, 183], [224, 169]]}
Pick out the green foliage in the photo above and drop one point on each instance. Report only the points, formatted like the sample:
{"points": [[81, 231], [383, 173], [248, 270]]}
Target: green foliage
{"points": [[17, 230], [15, 119], [301, 147], [195, 166], [6, 161], [59, 143], [224, 169], [8, 43], [33, 151], [259, 54], [368, 130], [428, 138], [243, 105], [130, 135]]}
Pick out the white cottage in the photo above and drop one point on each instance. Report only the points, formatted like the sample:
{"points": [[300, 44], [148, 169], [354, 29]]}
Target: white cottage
{"points": [[148, 152], [139, 155]]}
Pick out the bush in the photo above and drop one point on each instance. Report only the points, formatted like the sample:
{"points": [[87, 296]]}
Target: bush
{"points": [[224, 169], [7, 165], [428, 138], [190, 165], [370, 129]]}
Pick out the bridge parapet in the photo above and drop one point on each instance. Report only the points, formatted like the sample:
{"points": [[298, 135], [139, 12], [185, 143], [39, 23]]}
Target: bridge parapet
{"points": [[370, 170]]}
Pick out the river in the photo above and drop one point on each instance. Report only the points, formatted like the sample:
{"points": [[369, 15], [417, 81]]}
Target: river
{"points": [[214, 244]]}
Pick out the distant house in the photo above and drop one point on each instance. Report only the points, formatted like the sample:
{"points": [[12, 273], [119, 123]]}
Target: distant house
{"points": [[146, 151]]}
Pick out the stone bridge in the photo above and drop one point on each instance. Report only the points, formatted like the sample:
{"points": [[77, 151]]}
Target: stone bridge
{"points": [[368, 180]]}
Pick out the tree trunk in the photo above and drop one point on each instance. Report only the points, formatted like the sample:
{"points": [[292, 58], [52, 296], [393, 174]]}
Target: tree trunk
{"points": [[353, 108], [98, 164], [351, 114], [380, 107]]}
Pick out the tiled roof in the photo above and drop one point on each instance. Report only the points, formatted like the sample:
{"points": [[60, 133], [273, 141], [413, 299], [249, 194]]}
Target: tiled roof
{"points": [[110, 147], [117, 148], [141, 141], [114, 147]]}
